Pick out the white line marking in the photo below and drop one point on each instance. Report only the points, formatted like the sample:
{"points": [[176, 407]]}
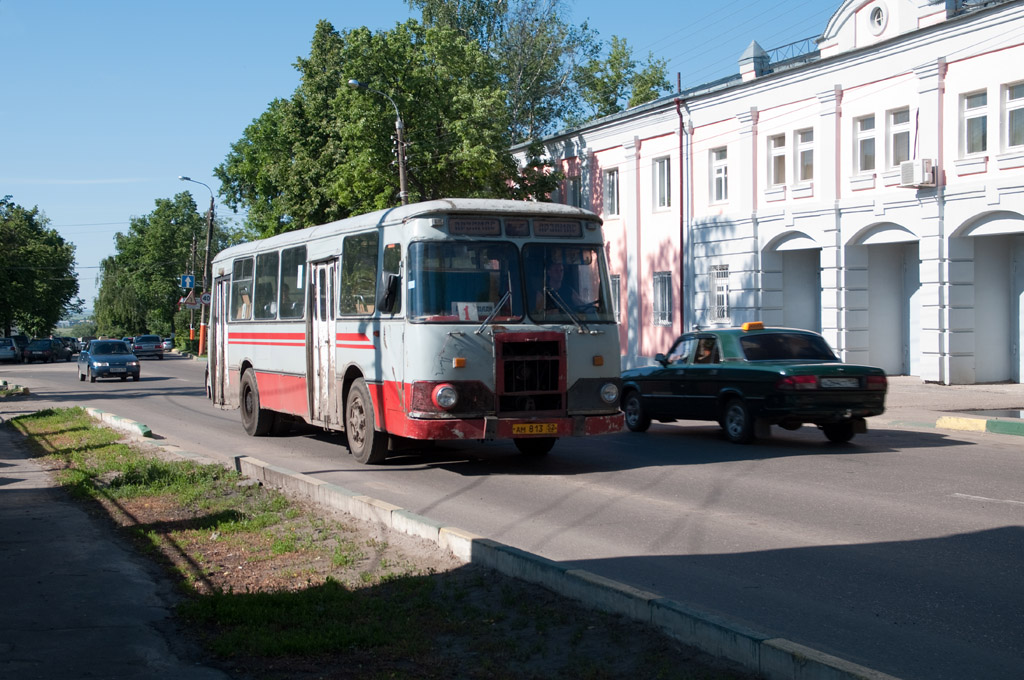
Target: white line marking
{"points": [[982, 498]]}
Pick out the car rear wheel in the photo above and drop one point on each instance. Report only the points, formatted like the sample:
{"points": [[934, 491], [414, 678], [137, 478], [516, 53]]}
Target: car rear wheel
{"points": [[92, 378], [737, 423], [838, 432], [256, 421], [637, 419], [539, 446], [81, 377], [364, 442]]}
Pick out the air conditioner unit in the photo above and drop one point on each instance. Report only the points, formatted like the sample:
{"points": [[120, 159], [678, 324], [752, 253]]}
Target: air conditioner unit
{"points": [[917, 173]]}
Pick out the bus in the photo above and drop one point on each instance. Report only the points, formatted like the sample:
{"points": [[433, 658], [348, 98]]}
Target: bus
{"points": [[452, 319]]}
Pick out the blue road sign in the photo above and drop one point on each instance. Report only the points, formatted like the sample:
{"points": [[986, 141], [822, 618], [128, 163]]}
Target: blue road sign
{"points": [[188, 281]]}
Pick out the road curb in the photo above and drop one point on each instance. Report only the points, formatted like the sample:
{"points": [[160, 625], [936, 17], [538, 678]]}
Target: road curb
{"points": [[963, 424], [773, 658], [120, 424]]}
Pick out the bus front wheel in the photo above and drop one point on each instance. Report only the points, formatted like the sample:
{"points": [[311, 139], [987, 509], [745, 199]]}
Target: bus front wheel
{"points": [[255, 420], [367, 445], [537, 446]]}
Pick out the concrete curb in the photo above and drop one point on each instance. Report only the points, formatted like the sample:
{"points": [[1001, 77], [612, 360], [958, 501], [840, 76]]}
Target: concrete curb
{"points": [[120, 424], [774, 658], [963, 424]]}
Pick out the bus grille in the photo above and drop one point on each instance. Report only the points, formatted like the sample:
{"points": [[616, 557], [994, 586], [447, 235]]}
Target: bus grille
{"points": [[531, 373]]}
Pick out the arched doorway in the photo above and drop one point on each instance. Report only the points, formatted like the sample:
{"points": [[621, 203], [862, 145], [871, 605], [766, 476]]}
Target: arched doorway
{"points": [[792, 264]]}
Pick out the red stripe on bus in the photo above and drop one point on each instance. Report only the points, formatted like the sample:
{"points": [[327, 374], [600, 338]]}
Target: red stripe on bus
{"points": [[284, 393], [233, 335], [352, 337]]}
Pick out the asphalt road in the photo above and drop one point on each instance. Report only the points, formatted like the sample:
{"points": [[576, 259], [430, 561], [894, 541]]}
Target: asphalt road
{"points": [[900, 551]]}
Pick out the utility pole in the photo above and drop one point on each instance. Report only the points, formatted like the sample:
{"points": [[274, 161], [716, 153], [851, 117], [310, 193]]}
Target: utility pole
{"points": [[203, 314]]}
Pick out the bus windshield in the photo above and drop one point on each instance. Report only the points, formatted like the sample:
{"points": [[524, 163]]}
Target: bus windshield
{"points": [[567, 283], [464, 282]]}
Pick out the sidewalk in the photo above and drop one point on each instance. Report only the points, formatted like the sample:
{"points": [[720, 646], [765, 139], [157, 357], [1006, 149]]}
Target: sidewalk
{"points": [[79, 603]]}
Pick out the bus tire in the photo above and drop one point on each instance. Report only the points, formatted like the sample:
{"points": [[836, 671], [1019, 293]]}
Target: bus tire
{"points": [[256, 421], [366, 444], [535, 446]]}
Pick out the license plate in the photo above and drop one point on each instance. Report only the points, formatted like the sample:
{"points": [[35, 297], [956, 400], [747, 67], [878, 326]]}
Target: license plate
{"points": [[840, 382], [535, 428], [117, 370]]}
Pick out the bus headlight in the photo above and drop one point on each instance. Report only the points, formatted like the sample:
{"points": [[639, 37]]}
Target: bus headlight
{"points": [[445, 396], [610, 393]]}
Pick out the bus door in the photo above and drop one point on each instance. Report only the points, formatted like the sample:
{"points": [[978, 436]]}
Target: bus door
{"points": [[218, 353], [323, 408]]}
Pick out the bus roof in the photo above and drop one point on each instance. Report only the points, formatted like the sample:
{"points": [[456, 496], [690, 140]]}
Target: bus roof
{"points": [[397, 215]]}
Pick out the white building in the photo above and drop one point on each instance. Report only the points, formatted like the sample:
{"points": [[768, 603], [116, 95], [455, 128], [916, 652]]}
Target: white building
{"points": [[872, 190]]}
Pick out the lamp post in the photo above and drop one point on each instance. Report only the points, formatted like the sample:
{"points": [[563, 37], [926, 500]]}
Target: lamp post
{"points": [[403, 192], [203, 315]]}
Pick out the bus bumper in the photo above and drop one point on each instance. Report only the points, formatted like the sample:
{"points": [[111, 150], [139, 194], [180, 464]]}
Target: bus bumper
{"points": [[492, 427]]}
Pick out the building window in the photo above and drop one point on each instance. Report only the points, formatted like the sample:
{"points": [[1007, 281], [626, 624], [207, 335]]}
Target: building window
{"points": [[777, 160], [662, 183], [573, 191], [1015, 115], [616, 292], [805, 155], [663, 298], [719, 287], [864, 132], [611, 192], [975, 115], [719, 175], [899, 137]]}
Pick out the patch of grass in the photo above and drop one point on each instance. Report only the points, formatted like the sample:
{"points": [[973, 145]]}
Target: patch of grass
{"points": [[276, 589]]}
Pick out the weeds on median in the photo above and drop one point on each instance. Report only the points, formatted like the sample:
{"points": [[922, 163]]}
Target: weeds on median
{"points": [[277, 589]]}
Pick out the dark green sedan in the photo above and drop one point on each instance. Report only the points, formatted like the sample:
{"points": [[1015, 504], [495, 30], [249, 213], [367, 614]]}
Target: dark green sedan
{"points": [[750, 378]]}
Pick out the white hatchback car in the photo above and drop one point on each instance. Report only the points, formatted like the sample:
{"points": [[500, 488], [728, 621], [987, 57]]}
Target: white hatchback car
{"points": [[9, 350]]}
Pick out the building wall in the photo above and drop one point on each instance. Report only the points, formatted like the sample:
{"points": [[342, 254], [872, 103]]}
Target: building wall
{"points": [[924, 280]]}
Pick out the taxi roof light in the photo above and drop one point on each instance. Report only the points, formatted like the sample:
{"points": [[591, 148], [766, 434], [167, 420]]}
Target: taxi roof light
{"points": [[753, 326]]}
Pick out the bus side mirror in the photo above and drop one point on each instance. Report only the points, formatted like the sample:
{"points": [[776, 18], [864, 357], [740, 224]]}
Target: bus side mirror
{"points": [[389, 293]]}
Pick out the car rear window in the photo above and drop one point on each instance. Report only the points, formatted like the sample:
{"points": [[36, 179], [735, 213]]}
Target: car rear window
{"points": [[6, 342], [148, 338], [786, 347]]}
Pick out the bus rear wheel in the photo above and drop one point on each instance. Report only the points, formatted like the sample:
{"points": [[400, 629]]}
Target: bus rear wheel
{"points": [[536, 446], [367, 445], [256, 421]]}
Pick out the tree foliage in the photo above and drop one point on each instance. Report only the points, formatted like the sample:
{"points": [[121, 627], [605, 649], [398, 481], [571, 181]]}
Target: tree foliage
{"points": [[617, 81], [140, 283], [38, 285]]}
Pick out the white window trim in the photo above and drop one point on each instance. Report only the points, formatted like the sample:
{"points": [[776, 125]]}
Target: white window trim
{"points": [[662, 183], [574, 191], [776, 149], [610, 205], [859, 137], [718, 294], [716, 165], [616, 282], [663, 305], [975, 113], [799, 148], [897, 129], [1009, 106]]}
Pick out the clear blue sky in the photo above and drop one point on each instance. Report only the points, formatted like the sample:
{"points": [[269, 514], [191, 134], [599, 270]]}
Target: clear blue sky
{"points": [[106, 102]]}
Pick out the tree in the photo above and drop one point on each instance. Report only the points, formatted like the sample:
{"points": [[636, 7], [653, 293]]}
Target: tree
{"points": [[140, 283], [328, 152], [611, 84], [38, 285]]}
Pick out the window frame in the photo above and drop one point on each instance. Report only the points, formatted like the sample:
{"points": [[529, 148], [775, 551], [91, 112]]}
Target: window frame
{"points": [[610, 187], [661, 181], [574, 191], [776, 155], [801, 148], [719, 174], [718, 293], [662, 304], [897, 129], [970, 115], [616, 291], [864, 137], [1011, 106]]}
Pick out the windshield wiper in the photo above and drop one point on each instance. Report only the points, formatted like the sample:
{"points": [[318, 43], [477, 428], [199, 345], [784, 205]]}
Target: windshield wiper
{"points": [[507, 297], [583, 328]]}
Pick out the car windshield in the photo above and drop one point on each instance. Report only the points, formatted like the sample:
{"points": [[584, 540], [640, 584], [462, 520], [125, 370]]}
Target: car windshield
{"points": [[39, 344], [786, 347], [110, 347]]}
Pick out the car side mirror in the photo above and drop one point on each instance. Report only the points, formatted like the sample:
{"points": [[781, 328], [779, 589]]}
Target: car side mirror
{"points": [[389, 294], [661, 359]]}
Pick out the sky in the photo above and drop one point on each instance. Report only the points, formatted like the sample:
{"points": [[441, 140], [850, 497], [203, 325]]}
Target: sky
{"points": [[105, 103]]}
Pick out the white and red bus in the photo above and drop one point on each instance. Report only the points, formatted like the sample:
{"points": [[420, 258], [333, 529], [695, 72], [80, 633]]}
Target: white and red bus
{"points": [[452, 319]]}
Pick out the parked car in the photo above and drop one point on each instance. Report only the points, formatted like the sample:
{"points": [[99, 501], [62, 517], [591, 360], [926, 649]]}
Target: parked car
{"points": [[168, 344], [46, 350], [148, 346], [9, 350], [751, 377], [70, 343], [108, 359], [129, 339]]}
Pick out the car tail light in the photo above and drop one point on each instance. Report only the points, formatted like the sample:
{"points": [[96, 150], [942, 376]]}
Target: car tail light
{"points": [[877, 382], [797, 382]]}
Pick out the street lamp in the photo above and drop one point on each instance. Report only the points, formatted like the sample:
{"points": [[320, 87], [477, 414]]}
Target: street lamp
{"points": [[403, 192], [203, 315]]}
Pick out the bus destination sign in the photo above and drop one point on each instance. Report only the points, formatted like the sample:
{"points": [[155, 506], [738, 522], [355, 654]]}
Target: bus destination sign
{"points": [[557, 229], [474, 226]]}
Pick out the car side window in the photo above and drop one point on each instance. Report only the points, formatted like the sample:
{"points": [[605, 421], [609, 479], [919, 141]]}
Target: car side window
{"points": [[707, 351], [682, 349]]}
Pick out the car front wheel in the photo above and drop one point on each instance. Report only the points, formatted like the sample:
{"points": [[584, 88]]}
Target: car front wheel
{"points": [[637, 419], [737, 422]]}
